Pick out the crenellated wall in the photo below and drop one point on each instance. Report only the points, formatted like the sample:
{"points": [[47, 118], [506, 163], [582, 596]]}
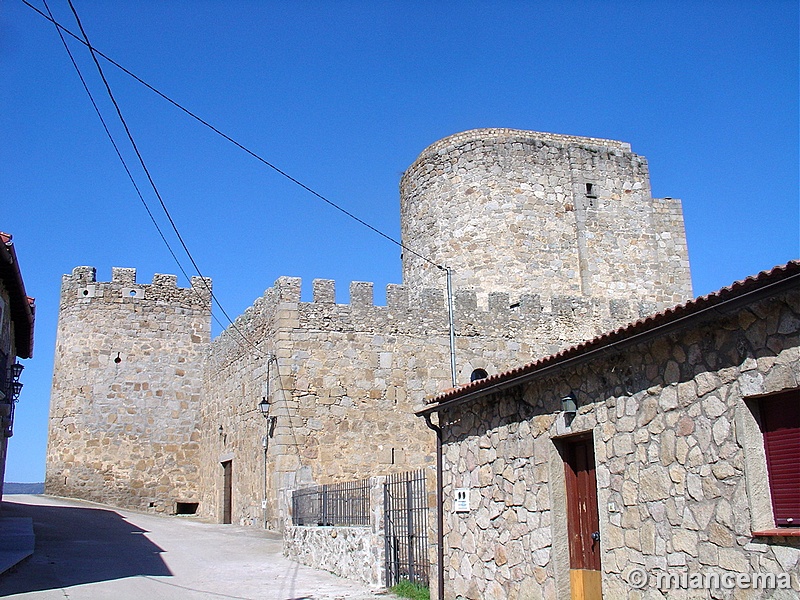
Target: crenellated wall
{"points": [[345, 379], [146, 410], [126, 390]]}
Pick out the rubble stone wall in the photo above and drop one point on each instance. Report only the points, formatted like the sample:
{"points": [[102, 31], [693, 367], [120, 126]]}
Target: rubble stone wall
{"points": [[356, 553], [678, 455]]}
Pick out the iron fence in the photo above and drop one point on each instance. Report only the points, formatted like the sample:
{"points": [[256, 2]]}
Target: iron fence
{"points": [[340, 504], [406, 526]]}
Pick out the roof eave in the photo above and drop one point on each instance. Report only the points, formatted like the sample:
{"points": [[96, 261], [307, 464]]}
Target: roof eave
{"points": [[22, 308], [581, 354]]}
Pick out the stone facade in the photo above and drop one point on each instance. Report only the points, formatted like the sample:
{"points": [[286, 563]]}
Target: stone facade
{"points": [[540, 262], [681, 475], [125, 403], [343, 379]]}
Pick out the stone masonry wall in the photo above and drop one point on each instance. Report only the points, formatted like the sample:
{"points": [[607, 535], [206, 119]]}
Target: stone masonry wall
{"points": [[526, 212], [680, 465], [346, 378], [126, 390]]}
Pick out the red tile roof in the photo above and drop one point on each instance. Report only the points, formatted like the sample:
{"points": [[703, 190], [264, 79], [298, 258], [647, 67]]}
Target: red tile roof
{"points": [[752, 288], [22, 307]]}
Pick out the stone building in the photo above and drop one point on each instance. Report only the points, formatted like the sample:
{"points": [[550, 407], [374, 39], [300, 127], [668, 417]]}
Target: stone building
{"points": [[657, 460], [551, 240], [17, 313]]}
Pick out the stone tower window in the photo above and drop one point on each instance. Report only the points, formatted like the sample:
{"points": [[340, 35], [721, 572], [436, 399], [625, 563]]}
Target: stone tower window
{"points": [[478, 374], [590, 191]]}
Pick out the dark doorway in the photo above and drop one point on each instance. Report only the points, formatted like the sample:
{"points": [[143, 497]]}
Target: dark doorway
{"points": [[583, 523], [227, 491]]}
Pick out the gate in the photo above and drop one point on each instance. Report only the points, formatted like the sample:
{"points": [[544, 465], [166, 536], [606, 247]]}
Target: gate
{"points": [[406, 525]]}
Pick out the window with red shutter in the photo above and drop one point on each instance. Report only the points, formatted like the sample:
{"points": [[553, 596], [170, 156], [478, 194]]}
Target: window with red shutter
{"points": [[780, 423]]}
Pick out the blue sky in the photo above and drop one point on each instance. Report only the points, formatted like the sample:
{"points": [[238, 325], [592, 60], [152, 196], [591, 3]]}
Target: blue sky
{"points": [[344, 96]]}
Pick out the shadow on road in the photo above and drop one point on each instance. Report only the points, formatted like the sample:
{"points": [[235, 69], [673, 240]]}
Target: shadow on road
{"points": [[77, 545]]}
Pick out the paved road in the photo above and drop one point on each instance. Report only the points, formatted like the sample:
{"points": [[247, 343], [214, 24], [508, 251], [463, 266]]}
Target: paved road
{"points": [[87, 551]]}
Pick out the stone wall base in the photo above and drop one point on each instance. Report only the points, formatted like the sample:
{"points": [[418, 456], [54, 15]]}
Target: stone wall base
{"points": [[350, 552]]}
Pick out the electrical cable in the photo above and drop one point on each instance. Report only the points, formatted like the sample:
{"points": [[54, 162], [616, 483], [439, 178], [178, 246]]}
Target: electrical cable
{"points": [[117, 150], [95, 53], [278, 170], [146, 171]]}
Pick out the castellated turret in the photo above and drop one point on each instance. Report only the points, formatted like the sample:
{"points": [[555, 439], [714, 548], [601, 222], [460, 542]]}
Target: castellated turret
{"points": [[126, 390], [522, 212]]}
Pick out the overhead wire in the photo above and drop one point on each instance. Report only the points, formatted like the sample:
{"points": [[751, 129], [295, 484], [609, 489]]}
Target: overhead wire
{"points": [[117, 150], [96, 52], [144, 168]]}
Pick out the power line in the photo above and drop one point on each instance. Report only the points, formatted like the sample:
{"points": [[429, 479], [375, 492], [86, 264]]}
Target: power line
{"points": [[96, 52], [144, 167], [116, 148]]}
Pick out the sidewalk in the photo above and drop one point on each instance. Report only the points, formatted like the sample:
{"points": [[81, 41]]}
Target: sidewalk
{"points": [[87, 551]]}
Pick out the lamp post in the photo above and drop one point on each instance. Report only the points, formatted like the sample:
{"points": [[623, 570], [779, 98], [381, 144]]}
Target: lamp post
{"points": [[263, 408]]}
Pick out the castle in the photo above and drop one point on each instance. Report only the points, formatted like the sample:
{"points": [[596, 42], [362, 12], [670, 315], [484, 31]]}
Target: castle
{"points": [[551, 240]]}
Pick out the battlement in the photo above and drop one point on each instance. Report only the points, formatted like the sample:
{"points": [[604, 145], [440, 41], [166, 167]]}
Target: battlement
{"points": [[433, 300], [422, 314], [82, 286]]}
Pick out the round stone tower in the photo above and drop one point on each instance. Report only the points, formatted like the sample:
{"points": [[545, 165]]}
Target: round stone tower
{"points": [[125, 401], [524, 212]]}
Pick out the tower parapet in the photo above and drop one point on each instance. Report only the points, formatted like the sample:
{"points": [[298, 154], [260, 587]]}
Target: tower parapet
{"points": [[525, 212]]}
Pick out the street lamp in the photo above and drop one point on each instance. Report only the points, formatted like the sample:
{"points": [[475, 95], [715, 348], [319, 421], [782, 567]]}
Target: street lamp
{"points": [[16, 371]]}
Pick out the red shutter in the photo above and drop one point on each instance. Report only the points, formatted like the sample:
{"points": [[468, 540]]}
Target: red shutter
{"points": [[780, 416]]}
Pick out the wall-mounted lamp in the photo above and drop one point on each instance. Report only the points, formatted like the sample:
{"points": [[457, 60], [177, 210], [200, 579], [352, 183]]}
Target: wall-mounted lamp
{"points": [[16, 371], [263, 406], [569, 405], [14, 385]]}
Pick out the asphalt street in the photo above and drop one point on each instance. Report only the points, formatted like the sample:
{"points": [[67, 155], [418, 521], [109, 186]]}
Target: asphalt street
{"points": [[87, 551]]}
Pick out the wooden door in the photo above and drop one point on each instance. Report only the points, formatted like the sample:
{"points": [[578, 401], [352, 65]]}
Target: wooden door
{"points": [[227, 491], [583, 523]]}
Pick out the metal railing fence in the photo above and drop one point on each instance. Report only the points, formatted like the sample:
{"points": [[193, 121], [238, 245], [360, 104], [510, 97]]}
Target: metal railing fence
{"points": [[338, 504]]}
